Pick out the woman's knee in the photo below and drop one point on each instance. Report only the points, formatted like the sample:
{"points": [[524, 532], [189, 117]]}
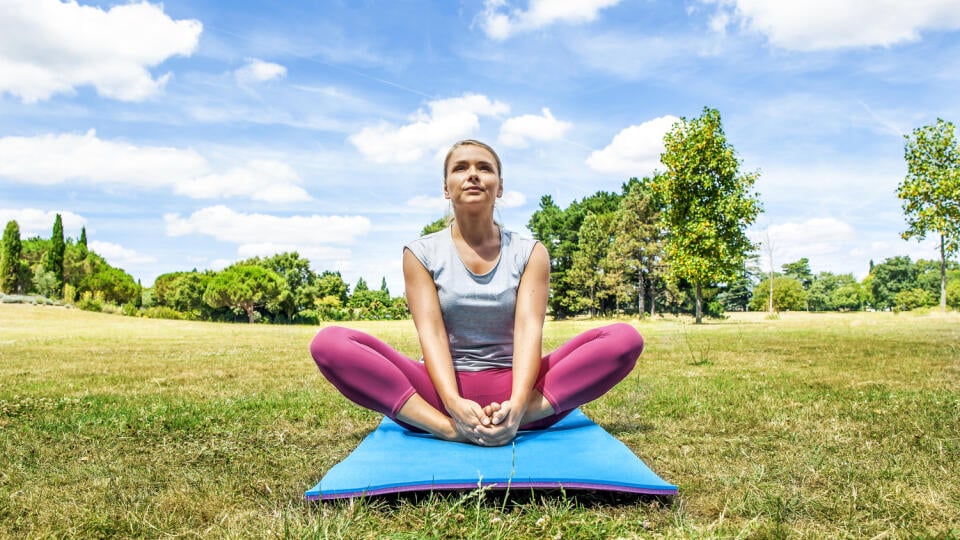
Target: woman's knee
{"points": [[328, 344], [628, 340]]}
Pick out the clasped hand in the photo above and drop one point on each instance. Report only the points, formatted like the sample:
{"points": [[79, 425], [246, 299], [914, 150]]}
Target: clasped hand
{"points": [[495, 424]]}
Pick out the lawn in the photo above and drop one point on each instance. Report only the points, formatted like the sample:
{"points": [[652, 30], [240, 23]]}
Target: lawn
{"points": [[837, 425]]}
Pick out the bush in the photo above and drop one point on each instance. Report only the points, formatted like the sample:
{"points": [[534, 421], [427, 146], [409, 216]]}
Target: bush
{"points": [[162, 312], [912, 299], [129, 309]]}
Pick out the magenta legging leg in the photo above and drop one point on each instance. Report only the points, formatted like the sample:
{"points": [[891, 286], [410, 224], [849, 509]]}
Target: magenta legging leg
{"points": [[372, 374]]}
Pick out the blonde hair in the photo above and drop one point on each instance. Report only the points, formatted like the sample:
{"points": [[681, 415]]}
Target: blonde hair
{"points": [[472, 142]]}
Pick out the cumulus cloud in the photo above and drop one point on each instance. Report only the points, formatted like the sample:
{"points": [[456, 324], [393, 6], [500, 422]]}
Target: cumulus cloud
{"points": [[259, 180], [517, 131], [233, 227], [36, 222], [258, 71], [49, 47], [815, 237], [512, 199], [118, 255], [500, 22], [446, 120], [831, 24], [635, 151], [59, 158], [424, 202]]}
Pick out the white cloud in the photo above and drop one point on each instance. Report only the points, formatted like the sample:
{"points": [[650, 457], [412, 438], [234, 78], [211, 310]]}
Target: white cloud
{"points": [[512, 199], [265, 235], [816, 237], [258, 71], [49, 47], [635, 151], [499, 22], [35, 222], [227, 225], [55, 159], [260, 180], [118, 255], [832, 24], [517, 131], [447, 121], [424, 202]]}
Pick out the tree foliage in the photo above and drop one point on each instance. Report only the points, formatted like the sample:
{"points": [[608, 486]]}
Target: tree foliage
{"points": [[53, 262], [244, 287], [708, 202], [10, 254]]}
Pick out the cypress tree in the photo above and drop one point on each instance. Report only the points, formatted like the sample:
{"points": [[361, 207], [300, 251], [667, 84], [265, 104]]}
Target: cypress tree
{"points": [[83, 236], [10, 254], [54, 259]]}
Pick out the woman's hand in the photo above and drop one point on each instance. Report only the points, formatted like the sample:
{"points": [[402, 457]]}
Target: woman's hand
{"points": [[468, 418], [503, 426]]}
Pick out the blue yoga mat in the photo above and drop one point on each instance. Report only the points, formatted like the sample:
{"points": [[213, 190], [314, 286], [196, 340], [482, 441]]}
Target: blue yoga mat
{"points": [[575, 453]]}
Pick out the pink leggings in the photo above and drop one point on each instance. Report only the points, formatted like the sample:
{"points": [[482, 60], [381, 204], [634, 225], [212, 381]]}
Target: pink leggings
{"points": [[373, 375]]}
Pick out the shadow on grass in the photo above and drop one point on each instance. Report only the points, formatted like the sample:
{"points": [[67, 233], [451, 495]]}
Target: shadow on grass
{"points": [[494, 497]]}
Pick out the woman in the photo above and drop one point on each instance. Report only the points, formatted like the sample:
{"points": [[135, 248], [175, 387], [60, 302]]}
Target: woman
{"points": [[478, 296]]}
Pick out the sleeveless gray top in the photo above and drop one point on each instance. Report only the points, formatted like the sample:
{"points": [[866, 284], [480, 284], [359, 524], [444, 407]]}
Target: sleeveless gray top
{"points": [[478, 310]]}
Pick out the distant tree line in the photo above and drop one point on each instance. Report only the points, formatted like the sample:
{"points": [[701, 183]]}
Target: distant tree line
{"points": [[281, 288]]}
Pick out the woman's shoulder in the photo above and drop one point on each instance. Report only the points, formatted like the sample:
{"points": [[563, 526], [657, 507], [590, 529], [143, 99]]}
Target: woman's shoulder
{"points": [[425, 247]]}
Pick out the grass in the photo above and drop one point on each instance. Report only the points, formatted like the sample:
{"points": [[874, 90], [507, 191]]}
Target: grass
{"points": [[832, 425]]}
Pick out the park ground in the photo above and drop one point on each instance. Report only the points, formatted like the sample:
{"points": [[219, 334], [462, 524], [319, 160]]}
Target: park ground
{"points": [[807, 425]]}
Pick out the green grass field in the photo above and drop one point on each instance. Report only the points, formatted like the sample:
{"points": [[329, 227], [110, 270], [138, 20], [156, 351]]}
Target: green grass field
{"points": [[836, 425]]}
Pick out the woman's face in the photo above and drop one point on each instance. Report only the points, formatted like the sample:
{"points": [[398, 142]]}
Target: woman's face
{"points": [[472, 176]]}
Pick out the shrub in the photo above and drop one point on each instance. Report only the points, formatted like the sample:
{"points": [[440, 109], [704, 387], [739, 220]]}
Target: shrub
{"points": [[162, 312]]}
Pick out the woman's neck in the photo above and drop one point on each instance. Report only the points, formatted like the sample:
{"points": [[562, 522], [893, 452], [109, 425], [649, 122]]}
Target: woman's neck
{"points": [[476, 230]]}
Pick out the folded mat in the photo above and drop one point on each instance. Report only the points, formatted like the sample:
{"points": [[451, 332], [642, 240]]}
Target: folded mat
{"points": [[575, 453]]}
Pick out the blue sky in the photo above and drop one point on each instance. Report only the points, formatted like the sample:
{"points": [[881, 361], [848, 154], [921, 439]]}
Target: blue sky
{"points": [[194, 133]]}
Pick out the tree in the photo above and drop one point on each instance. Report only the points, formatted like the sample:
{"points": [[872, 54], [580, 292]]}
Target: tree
{"points": [[893, 275], [10, 254], [299, 277], [708, 204], [244, 288], [638, 240], [83, 237], [587, 272], [788, 295], [54, 259], [931, 191], [435, 226]]}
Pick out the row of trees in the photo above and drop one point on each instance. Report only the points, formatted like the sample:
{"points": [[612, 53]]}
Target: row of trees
{"points": [[666, 240], [897, 284], [61, 268], [281, 288]]}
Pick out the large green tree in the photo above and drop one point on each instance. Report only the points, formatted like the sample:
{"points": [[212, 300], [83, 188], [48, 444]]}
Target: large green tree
{"points": [[54, 260], [10, 255], [246, 287], [709, 204], [931, 191], [638, 241]]}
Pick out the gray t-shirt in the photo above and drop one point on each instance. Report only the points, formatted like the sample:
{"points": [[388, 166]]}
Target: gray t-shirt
{"points": [[478, 310]]}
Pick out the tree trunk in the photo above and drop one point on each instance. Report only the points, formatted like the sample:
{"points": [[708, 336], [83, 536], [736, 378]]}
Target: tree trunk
{"points": [[641, 294], [699, 304], [250, 312], [943, 277], [653, 299]]}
